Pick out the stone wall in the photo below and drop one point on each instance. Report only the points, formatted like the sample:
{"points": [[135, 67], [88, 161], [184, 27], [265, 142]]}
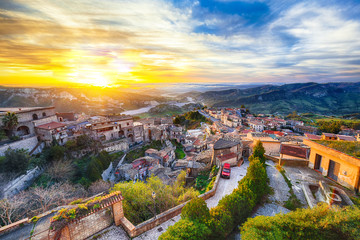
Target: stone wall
{"points": [[91, 224], [120, 145], [27, 144], [21, 183]]}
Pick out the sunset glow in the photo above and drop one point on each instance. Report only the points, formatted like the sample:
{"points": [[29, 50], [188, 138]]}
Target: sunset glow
{"points": [[112, 43]]}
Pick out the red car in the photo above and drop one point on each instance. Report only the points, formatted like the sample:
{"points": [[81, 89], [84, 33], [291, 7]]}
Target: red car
{"points": [[225, 173]]}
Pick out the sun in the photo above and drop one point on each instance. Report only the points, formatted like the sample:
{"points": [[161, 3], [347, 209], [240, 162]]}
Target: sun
{"points": [[94, 79]]}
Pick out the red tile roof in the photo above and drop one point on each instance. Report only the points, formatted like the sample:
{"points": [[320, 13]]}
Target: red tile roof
{"points": [[295, 151], [312, 136], [197, 142], [51, 125]]}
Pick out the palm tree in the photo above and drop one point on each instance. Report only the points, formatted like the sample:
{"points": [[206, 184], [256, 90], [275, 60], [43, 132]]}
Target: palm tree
{"points": [[10, 120]]}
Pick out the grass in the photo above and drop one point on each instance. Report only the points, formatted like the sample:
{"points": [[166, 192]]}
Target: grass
{"points": [[180, 154], [350, 148]]}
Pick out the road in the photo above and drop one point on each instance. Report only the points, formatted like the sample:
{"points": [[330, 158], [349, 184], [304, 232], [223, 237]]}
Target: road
{"points": [[225, 187]]}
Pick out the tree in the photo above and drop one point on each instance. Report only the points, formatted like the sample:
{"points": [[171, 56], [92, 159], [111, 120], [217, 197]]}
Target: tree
{"points": [[98, 187], [330, 126], [54, 153], [16, 160], [220, 222], [186, 230], [258, 152], [10, 121], [196, 210], [10, 210], [2, 134], [61, 170]]}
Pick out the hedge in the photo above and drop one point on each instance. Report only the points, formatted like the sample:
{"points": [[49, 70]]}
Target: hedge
{"points": [[321, 223]]}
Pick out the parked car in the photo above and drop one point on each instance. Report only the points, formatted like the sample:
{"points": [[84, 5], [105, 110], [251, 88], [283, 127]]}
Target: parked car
{"points": [[225, 173]]}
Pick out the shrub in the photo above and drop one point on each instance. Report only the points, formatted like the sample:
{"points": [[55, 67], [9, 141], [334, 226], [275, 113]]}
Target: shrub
{"points": [[15, 161], [321, 223], [186, 229], [220, 223], [196, 210]]}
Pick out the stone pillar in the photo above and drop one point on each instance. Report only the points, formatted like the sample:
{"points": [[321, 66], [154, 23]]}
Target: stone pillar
{"points": [[118, 212]]}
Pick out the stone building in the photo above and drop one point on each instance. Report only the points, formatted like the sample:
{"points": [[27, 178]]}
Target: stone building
{"points": [[257, 126], [271, 145], [306, 129], [29, 118], [52, 131], [225, 151], [116, 127]]}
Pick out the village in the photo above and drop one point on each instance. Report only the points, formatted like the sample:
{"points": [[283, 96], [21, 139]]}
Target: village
{"points": [[227, 137]]}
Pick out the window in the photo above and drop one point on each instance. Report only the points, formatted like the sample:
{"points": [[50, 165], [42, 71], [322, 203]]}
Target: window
{"points": [[44, 114], [35, 116]]}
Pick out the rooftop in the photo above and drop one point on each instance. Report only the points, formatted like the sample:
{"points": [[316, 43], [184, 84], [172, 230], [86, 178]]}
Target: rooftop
{"points": [[51, 125], [22, 109], [292, 150], [312, 136], [350, 148], [222, 143]]}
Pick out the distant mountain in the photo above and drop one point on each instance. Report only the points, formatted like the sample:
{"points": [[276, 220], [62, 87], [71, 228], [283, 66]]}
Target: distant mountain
{"points": [[88, 100], [329, 98]]}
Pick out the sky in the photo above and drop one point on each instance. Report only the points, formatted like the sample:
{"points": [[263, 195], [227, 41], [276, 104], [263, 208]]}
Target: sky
{"points": [[130, 43]]}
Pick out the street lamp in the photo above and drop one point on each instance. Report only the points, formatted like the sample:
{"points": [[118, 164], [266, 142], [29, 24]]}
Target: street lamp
{"points": [[154, 196]]}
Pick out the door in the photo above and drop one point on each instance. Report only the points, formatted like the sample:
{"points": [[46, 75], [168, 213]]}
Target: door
{"points": [[334, 168], [317, 165]]}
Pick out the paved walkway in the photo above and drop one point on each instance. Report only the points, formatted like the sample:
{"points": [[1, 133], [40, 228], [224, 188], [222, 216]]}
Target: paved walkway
{"points": [[225, 186], [281, 193]]}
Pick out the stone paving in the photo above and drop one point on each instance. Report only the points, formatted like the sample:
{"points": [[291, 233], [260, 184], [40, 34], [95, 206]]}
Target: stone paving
{"points": [[281, 193], [226, 186]]}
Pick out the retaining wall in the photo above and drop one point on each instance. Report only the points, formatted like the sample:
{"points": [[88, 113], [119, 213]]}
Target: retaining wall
{"points": [[27, 144]]}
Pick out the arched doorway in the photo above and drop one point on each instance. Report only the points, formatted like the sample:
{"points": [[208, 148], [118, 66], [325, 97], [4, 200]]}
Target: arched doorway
{"points": [[131, 137], [35, 116], [22, 131], [44, 114], [121, 133]]}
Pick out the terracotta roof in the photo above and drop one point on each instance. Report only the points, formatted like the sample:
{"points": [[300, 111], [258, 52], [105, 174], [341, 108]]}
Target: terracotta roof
{"points": [[295, 151], [226, 156], [329, 135], [346, 138], [312, 136], [51, 125], [222, 143], [197, 142]]}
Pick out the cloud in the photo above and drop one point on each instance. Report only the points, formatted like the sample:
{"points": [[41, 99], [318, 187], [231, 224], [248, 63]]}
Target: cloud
{"points": [[181, 41]]}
